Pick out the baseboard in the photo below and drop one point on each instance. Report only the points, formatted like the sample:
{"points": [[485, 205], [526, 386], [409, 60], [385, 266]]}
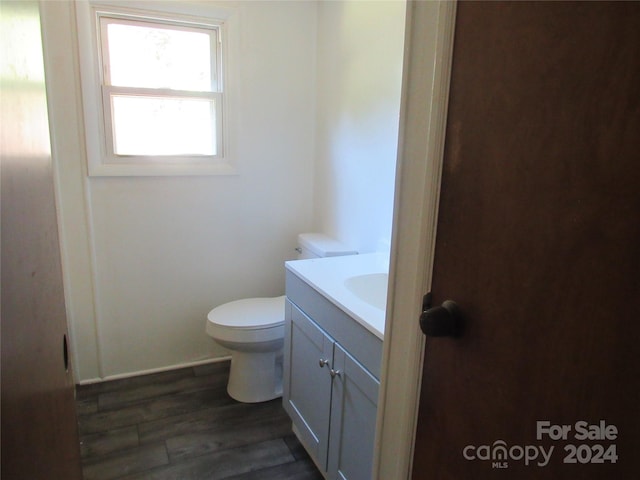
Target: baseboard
{"points": [[155, 370]]}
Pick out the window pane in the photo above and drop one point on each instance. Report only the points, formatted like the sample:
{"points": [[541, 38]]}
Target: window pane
{"points": [[163, 126], [156, 57]]}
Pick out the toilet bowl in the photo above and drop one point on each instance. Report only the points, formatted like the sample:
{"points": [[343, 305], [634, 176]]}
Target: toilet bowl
{"points": [[253, 330]]}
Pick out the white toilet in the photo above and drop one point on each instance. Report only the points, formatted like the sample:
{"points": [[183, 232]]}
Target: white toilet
{"points": [[253, 330]]}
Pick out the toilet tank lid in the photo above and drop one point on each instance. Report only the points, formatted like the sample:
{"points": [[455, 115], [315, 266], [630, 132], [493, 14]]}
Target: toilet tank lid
{"points": [[323, 245]]}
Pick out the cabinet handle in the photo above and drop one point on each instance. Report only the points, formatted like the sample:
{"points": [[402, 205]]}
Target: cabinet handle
{"points": [[322, 362], [334, 373]]}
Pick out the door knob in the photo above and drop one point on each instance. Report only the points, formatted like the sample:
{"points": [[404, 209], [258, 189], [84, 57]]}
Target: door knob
{"points": [[442, 321]]}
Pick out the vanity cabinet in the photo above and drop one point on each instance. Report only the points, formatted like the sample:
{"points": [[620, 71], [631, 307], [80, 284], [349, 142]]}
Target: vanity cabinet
{"points": [[330, 393], [307, 382]]}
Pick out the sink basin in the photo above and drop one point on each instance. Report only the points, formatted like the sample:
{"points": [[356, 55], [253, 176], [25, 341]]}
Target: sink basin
{"points": [[370, 288], [356, 284]]}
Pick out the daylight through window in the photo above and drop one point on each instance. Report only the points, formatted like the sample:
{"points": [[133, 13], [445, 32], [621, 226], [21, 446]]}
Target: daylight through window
{"points": [[161, 88]]}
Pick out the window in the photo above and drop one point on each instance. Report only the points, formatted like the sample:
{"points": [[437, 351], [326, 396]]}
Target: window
{"points": [[161, 88], [153, 91]]}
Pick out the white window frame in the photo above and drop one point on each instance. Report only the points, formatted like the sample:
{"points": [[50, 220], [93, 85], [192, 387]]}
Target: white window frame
{"points": [[96, 93]]}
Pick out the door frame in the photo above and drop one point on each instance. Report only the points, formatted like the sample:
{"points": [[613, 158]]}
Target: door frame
{"points": [[425, 94]]}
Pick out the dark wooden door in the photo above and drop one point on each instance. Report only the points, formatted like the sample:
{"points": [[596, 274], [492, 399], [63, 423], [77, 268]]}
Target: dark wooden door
{"points": [[538, 242], [39, 431]]}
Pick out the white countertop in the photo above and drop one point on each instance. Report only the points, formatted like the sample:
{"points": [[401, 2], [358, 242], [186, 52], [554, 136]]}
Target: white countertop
{"points": [[333, 277]]}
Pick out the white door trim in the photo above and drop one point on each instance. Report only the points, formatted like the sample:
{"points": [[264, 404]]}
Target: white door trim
{"points": [[425, 94]]}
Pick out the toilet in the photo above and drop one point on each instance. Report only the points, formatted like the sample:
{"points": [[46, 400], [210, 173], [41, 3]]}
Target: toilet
{"points": [[253, 330]]}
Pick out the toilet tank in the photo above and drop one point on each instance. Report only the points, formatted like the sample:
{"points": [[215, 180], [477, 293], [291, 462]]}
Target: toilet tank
{"points": [[316, 245]]}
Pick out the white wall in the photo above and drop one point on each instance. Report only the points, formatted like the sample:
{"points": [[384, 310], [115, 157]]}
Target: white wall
{"points": [[147, 257], [360, 53]]}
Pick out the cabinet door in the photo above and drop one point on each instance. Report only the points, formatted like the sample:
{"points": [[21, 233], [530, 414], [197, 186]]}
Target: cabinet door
{"points": [[307, 384], [353, 419]]}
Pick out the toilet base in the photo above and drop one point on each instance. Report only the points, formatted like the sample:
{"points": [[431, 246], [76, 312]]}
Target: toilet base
{"points": [[255, 376]]}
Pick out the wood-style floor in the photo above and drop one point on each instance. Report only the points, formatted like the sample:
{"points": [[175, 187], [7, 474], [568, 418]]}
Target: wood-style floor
{"points": [[182, 425]]}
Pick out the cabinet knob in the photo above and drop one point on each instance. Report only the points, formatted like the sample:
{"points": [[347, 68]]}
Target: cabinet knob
{"points": [[334, 373], [322, 362]]}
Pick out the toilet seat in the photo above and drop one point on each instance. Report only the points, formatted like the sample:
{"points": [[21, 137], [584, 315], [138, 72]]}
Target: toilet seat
{"points": [[248, 320]]}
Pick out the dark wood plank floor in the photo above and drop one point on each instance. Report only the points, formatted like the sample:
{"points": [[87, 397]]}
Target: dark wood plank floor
{"points": [[182, 425]]}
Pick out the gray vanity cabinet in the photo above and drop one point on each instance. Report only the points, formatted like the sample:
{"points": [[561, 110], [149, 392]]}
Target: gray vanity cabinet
{"points": [[330, 393], [307, 386], [354, 402]]}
